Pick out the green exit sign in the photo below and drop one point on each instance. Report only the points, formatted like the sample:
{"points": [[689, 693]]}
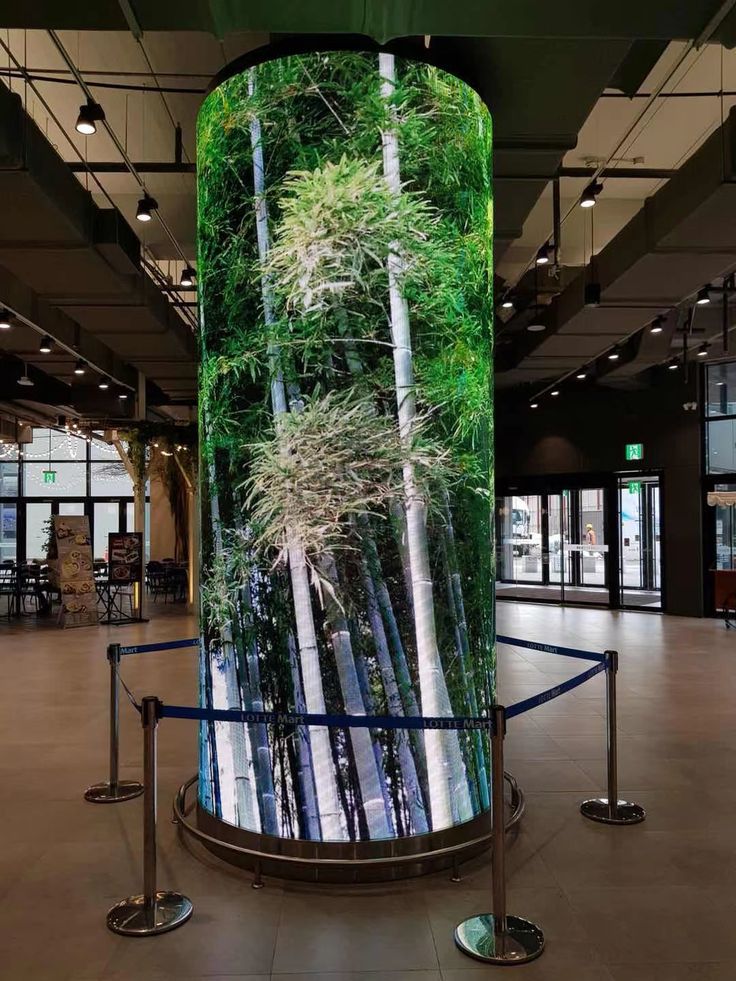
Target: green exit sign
{"points": [[634, 487], [49, 476], [634, 451]]}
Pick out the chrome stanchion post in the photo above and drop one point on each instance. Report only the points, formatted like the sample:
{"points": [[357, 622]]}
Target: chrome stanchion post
{"points": [[497, 937], [611, 810], [154, 911], [114, 790]]}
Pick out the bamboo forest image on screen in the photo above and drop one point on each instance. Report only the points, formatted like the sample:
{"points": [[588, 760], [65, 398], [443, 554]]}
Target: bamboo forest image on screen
{"points": [[345, 230]]}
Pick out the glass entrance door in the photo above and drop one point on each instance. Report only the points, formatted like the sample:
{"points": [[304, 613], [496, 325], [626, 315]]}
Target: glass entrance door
{"points": [[640, 555], [552, 546]]}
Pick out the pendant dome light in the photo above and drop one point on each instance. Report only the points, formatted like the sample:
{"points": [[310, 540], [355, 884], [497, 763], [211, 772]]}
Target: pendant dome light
{"points": [[146, 206], [5, 321], [24, 380], [46, 346], [80, 368], [187, 276], [590, 194], [703, 296], [542, 258], [104, 383], [89, 115]]}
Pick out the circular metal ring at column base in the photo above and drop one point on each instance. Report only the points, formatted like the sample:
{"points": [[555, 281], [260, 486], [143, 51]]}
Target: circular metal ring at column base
{"points": [[522, 940], [134, 918], [626, 812], [105, 793]]}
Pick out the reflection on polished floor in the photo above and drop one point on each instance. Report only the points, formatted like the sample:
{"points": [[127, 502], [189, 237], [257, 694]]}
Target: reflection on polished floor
{"points": [[641, 598], [616, 904]]}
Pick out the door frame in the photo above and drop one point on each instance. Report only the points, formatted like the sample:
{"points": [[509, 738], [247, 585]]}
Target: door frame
{"points": [[608, 482]]}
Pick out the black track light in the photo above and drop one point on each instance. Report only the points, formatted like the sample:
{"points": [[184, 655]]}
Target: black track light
{"points": [[657, 325], [703, 351], [80, 367], [187, 276], [543, 255], [590, 194], [703, 296], [104, 383], [5, 321], [89, 115], [146, 206], [46, 346]]}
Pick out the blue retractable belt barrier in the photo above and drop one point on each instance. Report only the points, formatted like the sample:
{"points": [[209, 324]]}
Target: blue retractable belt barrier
{"points": [[166, 645], [534, 645], [518, 708], [333, 721]]}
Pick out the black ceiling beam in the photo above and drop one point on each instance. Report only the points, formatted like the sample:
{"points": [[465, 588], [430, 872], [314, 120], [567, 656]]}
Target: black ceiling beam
{"points": [[143, 167]]}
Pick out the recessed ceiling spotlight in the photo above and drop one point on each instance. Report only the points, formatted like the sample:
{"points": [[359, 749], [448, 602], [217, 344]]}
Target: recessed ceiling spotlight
{"points": [[187, 276], [80, 367], [590, 194], [543, 255], [5, 322], [146, 206], [104, 383], [703, 296], [89, 115], [555, 393], [46, 346]]}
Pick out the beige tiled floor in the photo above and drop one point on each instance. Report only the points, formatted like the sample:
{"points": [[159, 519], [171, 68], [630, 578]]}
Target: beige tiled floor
{"points": [[616, 904]]}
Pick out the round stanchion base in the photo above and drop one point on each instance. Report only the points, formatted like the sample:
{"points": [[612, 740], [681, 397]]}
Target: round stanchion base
{"points": [[521, 942], [107, 793], [134, 918], [625, 812]]}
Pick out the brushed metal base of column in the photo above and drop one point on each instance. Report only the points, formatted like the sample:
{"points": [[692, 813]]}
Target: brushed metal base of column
{"points": [[106, 793], [520, 942], [133, 917], [625, 812]]}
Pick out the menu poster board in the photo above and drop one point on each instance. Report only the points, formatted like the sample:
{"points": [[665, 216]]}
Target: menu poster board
{"points": [[75, 571], [125, 557]]}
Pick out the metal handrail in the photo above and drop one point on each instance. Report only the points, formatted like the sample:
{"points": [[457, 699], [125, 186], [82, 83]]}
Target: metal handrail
{"points": [[181, 813]]}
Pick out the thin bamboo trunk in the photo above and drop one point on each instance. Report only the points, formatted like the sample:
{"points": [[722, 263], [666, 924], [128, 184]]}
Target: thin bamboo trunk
{"points": [[305, 775], [368, 774], [457, 607], [367, 696], [325, 776], [258, 731], [407, 766], [448, 790], [246, 804]]}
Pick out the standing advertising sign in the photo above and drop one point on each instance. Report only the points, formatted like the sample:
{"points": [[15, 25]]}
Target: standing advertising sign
{"points": [[74, 570], [125, 565]]}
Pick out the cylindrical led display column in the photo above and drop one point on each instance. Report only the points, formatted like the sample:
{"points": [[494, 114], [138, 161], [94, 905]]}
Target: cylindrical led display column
{"points": [[345, 406]]}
